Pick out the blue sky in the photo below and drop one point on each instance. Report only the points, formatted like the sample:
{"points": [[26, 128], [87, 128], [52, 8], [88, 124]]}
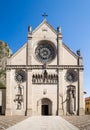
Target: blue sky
{"points": [[72, 15]]}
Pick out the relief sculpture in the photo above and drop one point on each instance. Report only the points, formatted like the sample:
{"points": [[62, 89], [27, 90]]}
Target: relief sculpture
{"points": [[44, 78]]}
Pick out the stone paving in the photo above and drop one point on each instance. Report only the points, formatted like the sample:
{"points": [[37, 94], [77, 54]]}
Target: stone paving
{"points": [[82, 122], [8, 121], [44, 123]]}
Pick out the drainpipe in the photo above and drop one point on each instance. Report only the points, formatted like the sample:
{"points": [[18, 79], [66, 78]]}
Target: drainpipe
{"points": [[58, 36], [57, 74], [26, 79], [78, 86]]}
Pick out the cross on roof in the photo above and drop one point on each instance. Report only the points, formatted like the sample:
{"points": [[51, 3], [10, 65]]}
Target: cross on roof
{"points": [[44, 15]]}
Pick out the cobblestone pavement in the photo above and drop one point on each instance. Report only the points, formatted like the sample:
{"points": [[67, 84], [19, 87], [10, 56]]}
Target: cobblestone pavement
{"points": [[8, 121], [82, 122]]}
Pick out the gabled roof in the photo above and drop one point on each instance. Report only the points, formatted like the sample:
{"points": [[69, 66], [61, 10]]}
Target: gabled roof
{"points": [[69, 50], [45, 22], [18, 50]]}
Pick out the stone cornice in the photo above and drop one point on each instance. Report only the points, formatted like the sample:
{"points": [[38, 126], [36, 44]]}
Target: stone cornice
{"points": [[46, 67]]}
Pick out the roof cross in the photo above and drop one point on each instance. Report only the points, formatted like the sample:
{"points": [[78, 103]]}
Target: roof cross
{"points": [[44, 15]]}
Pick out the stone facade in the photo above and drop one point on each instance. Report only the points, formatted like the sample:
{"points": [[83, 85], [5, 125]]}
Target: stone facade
{"points": [[45, 77]]}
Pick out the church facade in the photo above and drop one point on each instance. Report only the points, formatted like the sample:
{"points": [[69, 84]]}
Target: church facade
{"points": [[44, 77]]}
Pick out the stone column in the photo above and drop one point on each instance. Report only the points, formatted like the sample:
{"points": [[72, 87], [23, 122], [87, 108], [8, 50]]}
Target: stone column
{"points": [[61, 107], [8, 93], [29, 92]]}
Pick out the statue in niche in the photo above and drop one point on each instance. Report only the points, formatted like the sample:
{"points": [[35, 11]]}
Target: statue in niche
{"points": [[19, 96], [54, 78], [33, 78], [71, 103], [19, 89], [38, 76], [19, 102], [71, 100], [48, 78], [41, 77], [45, 76], [51, 78]]}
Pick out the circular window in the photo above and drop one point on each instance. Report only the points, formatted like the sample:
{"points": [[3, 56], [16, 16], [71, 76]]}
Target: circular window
{"points": [[45, 52], [71, 75], [20, 76]]}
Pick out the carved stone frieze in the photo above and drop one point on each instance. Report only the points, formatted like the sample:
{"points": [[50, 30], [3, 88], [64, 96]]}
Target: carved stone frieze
{"points": [[44, 78]]}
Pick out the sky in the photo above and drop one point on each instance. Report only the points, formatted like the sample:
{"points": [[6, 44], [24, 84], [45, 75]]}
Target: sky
{"points": [[72, 15]]}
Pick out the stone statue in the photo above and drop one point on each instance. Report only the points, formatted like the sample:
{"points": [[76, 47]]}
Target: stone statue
{"points": [[71, 100]]}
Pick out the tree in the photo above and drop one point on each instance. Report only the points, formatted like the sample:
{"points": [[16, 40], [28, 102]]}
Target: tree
{"points": [[5, 52]]}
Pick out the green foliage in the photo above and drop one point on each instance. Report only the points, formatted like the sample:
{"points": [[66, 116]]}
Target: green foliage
{"points": [[4, 53], [2, 72], [1, 85]]}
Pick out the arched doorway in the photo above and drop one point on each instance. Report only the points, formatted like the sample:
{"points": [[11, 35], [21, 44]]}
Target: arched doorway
{"points": [[46, 107]]}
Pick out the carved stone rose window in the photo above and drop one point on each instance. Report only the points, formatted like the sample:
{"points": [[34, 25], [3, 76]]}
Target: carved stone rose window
{"points": [[20, 76], [45, 52], [71, 75]]}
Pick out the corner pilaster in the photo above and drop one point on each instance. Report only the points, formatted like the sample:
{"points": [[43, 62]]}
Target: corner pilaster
{"points": [[81, 94], [29, 92], [61, 107], [8, 94]]}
